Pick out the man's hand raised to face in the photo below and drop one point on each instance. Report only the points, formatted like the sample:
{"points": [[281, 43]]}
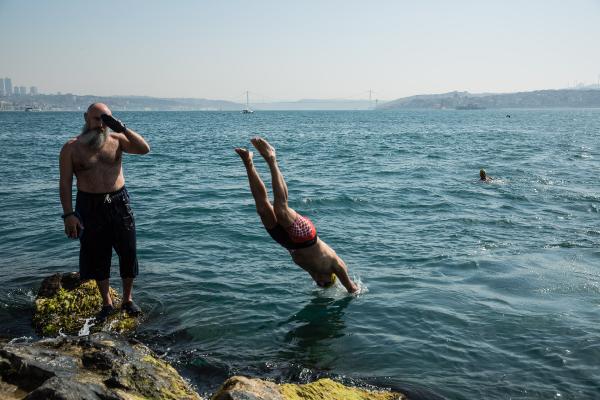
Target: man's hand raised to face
{"points": [[113, 123]]}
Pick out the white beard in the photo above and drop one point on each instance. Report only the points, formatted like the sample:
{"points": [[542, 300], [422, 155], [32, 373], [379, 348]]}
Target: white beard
{"points": [[94, 138]]}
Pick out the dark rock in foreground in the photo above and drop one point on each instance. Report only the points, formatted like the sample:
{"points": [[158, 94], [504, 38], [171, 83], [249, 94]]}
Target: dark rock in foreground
{"points": [[95, 367], [103, 366]]}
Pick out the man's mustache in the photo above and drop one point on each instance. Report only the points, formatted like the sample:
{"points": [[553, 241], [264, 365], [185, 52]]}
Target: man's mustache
{"points": [[97, 131]]}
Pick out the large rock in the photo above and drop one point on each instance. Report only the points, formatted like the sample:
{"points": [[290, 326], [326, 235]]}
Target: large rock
{"points": [[65, 304], [241, 388], [100, 366]]}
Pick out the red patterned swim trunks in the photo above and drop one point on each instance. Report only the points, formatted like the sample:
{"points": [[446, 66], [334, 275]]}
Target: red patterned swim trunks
{"points": [[301, 234], [302, 230]]}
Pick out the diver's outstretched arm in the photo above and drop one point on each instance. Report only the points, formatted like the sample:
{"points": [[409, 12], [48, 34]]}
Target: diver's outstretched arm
{"points": [[341, 271]]}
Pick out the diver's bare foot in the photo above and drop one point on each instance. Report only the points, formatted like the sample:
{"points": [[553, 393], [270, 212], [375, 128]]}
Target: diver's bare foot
{"points": [[264, 148], [245, 154]]}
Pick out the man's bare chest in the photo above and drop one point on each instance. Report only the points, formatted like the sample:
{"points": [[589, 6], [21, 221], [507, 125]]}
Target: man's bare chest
{"points": [[108, 158]]}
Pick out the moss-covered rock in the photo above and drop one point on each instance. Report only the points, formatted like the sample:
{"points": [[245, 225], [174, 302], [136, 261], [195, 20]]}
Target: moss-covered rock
{"points": [[98, 366], [64, 304], [327, 389], [241, 388]]}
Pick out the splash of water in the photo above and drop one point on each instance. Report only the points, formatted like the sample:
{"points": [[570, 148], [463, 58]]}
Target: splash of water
{"points": [[85, 329], [340, 291], [362, 287]]}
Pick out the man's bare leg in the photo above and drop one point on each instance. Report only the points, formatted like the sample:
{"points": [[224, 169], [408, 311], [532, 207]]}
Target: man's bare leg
{"points": [[258, 189], [107, 305], [128, 305], [127, 289], [103, 287], [285, 215]]}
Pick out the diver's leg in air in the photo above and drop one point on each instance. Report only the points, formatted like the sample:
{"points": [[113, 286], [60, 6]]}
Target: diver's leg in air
{"points": [[258, 189]]}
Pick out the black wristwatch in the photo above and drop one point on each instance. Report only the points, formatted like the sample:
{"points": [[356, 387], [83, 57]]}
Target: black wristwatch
{"points": [[64, 216]]}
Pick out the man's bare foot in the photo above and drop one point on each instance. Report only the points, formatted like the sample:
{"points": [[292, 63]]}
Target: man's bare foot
{"points": [[245, 155], [264, 148]]}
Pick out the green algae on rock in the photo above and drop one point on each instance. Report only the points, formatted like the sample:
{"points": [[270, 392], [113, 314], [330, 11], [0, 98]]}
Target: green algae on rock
{"points": [[327, 389], [241, 388], [97, 366], [64, 304]]}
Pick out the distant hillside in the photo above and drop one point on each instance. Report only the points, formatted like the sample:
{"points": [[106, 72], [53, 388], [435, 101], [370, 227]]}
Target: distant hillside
{"points": [[71, 102], [536, 99], [581, 97], [316, 104]]}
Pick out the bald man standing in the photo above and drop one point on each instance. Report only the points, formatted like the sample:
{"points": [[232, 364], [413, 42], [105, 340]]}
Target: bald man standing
{"points": [[102, 218]]}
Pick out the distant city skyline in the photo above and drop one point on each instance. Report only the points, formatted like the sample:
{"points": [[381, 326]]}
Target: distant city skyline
{"points": [[288, 51], [8, 89]]}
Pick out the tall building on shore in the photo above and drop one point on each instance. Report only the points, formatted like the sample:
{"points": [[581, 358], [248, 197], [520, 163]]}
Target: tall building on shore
{"points": [[8, 90], [23, 90], [16, 91], [33, 91], [1, 86]]}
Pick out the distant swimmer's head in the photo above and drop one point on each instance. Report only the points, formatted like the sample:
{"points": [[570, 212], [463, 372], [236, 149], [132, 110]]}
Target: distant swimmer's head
{"points": [[327, 283], [482, 174]]}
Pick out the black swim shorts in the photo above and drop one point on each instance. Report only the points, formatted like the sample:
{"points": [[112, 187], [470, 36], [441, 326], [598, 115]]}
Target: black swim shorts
{"points": [[107, 223]]}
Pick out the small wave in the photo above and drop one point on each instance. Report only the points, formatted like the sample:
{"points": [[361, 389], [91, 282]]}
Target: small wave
{"points": [[21, 339], [548, 182], [335, 200], [565, 245], [592, 288], [17, 294]]}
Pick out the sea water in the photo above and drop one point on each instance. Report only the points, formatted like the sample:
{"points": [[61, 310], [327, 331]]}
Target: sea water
{"points": [[470, 290]]}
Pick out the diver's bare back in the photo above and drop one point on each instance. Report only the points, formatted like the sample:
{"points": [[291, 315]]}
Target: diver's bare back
{"points": [[98, 171], [318, 258]]}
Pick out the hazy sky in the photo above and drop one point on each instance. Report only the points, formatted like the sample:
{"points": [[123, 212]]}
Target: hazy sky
{"points": [[298, 49]]}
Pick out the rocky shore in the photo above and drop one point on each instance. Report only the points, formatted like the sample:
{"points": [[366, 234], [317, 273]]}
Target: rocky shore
{"points": [[79, 360]]}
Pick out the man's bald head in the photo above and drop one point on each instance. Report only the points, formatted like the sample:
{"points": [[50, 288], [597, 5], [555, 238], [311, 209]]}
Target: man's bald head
{"points": [[95, 132], [97, 109], [93, 113]]}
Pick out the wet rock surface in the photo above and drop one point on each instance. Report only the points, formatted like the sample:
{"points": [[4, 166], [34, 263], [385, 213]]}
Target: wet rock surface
{"points": [[99, 366], [242, 388]]}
